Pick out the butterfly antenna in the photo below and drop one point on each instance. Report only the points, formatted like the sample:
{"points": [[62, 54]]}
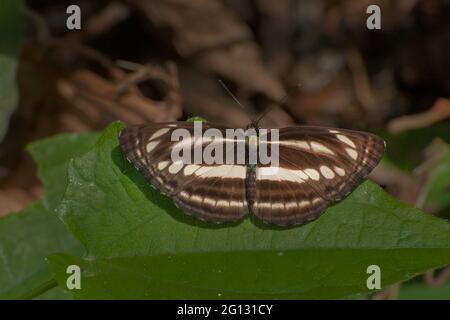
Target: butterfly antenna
{"points": [[268, 110], [279, 103], [234, 97], [254, 122]]}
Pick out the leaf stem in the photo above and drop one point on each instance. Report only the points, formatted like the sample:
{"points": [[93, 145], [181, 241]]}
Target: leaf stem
{"points": [[41, 289]]}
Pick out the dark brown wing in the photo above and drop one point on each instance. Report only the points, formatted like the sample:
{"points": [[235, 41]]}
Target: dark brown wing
{"points": [[318, 166], [214, 193]]}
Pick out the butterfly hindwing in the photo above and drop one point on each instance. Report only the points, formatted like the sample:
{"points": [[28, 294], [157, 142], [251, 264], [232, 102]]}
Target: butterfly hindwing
{"points": [[211, 192], [317, 167]]}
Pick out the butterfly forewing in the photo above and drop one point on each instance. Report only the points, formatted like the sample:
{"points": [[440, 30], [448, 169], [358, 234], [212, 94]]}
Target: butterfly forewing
{"points": [[317, 167], [211, 192]]}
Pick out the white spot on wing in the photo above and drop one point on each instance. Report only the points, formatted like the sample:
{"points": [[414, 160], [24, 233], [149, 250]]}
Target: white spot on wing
{"points": [[223, 203], [138, 153], [196, 198], [327, 172], [209, 201], [291, 205], [190, 169], [304, 203], [162, 165], [352, 153], [236, 204], [184, 194], [302, 174], [202, 170], [346, 140], [175, 167], [159, 133], [339, 171], [151, 146], [318, 147], [237, 172], [295, 144], [200, 141], [313, 174], [280, 174], [225, 171], [278, 205], [263, 205]]}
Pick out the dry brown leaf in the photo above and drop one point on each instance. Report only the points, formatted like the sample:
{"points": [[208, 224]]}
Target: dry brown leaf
{"points": [[213, 36]]}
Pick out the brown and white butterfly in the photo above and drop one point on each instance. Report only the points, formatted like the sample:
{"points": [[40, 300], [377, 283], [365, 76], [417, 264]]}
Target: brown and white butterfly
{"points": [[317, 167]]}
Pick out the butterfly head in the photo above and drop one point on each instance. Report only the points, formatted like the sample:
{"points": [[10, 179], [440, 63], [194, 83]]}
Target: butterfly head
{"points": [[254, 124]]}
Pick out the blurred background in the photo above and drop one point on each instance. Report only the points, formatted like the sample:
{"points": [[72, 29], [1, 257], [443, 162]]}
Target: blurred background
{"points": [[160, 60]]}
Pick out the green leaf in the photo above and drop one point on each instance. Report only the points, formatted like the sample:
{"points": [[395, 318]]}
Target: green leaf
{"points": [[26, 238], [11, 32], [138, 239], [52, 156], [438, 187], [294, 274]]}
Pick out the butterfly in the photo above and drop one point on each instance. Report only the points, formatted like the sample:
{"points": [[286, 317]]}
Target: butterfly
{"points": [[317, 167]]}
